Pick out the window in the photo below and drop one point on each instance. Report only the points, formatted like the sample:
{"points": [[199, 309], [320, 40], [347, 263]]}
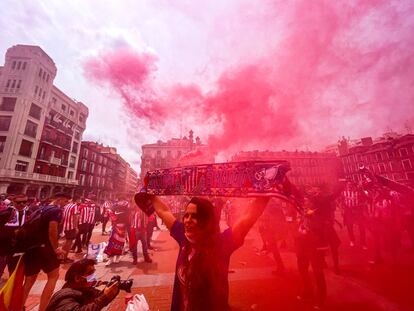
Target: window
{"points": [[81, 118], [85, 153], [72, 113], [75, 147], [31, 129], [82, 179], [8, 104], [91, 167], [19, 64], [26, 148], [14, 64], [70, 175], [93, 156], [406, 164], [2, 143], [44, 94], [35, 111], [84, 165], [36, 89], [90, 181], [63, 107], [47, 78], [13, 84], [77, 136], [5, 123], [24, 65], [21, 166], [40, 72], [8, 83], [72, 161], [18, 84], [44, 75]]}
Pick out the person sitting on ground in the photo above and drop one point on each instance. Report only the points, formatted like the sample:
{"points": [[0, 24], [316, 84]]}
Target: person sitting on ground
{"points": [[201, 277], [79, 293]]}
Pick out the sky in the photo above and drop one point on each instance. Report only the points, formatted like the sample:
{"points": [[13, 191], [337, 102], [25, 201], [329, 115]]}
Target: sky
{"points": [[244, 75]]}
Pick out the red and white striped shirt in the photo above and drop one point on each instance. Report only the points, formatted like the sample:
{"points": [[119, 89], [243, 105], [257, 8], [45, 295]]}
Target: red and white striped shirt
{"points": [[139, 220], [87, 213], [69, 212]]}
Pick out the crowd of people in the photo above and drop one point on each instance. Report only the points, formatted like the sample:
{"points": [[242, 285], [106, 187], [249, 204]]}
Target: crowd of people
{"points": [[380, 214], [71, 221], [383, 217]]}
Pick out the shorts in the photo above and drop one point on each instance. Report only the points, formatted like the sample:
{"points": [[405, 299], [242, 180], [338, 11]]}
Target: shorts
{"points": [[40, 259], [70, 234]]}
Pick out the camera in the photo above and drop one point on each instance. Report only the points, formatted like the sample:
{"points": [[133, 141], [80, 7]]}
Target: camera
{"points": [[124, 285]]}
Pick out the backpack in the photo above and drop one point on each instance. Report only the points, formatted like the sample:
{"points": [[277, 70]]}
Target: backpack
{"points": [[31, 234]]}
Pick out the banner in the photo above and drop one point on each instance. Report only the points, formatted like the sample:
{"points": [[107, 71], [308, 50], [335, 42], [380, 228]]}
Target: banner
{"points": [[231, 179]]}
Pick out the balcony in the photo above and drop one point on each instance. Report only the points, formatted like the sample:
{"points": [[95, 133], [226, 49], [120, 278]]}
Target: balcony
{"points": [[55, 161], [58, 126], [24, 176], [44, 157]]}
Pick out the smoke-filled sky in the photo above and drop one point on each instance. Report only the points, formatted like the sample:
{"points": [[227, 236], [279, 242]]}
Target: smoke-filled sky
{"points": [[270, 74]]}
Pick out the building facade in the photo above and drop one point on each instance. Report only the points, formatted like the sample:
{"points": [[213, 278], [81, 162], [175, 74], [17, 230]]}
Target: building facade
{"points": [[103, 174], [308, 168], [174, 152], [391, 156], [40, 127]]}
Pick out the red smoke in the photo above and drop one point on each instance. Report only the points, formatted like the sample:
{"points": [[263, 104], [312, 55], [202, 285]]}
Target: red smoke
{"points": [[342, 68], [128, 74]]}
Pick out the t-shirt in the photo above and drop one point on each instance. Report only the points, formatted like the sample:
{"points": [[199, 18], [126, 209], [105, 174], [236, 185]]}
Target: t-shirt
{"points": [[226, 246]]}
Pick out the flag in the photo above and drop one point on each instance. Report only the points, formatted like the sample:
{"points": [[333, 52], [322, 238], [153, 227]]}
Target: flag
{"points": [[11, 294]]}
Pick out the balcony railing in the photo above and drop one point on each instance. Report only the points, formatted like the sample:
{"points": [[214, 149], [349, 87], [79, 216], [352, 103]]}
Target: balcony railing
{"points": [[4, 173], [44, 157], [56, 161], [59, 126]]}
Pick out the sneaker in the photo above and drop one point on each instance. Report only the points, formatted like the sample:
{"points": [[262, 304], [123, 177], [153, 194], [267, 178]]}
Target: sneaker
{"points": [[148, 260], [109, 262]]}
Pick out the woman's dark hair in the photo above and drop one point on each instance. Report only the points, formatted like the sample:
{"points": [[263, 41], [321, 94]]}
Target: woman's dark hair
{"points": [[206, 218], [202, 270], [78, 268]]}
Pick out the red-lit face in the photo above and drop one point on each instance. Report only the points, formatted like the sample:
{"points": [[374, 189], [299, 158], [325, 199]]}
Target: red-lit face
{"points": [[190, 221]]}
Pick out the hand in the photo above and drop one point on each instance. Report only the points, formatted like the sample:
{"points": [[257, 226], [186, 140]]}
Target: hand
{"points": [[111, 291]]}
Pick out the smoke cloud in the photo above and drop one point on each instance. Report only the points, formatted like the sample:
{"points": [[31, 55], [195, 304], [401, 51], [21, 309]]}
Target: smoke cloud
{"points": [[338, 68]]}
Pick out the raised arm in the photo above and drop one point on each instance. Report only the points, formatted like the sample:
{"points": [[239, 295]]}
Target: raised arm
{"points": [[163, 211], [243, 225]]}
